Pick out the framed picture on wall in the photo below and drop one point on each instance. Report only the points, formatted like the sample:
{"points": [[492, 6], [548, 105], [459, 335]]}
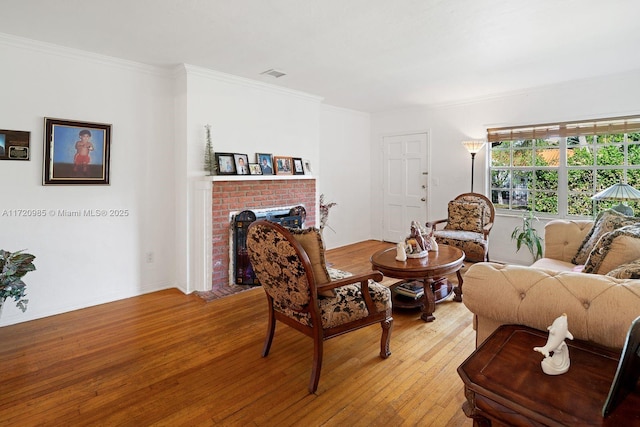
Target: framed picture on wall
{"points": [[76, 153], [283, 165], [298, 168], [226, 163], [266, 163], [14, 145]]}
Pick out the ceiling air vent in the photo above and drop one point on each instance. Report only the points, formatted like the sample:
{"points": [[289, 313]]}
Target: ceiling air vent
{"points": [[274, 73]]}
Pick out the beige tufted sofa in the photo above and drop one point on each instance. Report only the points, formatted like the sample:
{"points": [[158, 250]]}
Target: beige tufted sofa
{"points": [[599, 308]]}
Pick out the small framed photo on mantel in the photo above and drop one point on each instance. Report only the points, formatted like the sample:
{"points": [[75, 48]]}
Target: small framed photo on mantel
{"points": [[255, 169], [266, 163], [283, 165], [242, 164], [226, 163], [298, 167]]}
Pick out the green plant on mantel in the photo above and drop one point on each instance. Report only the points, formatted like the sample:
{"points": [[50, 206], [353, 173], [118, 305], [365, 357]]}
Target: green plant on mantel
{"points": [[13, 267], [209, 156], [528, 236]]}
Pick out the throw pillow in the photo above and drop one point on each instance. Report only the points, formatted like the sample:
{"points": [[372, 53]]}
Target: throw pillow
{"points": [[606, 221], [465, 216], [629, 270], [311, 241], [614, 249]]}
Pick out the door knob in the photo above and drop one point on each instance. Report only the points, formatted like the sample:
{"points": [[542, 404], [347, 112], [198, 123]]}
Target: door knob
{"points": [[424, 199]]}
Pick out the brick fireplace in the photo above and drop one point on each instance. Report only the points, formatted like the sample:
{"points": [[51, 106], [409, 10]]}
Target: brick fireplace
{"points": [[232, 196]]}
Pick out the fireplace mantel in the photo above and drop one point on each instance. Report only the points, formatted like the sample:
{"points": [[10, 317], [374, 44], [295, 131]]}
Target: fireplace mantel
{"points": [[217, 178]]}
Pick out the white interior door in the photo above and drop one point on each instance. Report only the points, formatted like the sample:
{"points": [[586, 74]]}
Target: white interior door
{"points": [[405, 184]]}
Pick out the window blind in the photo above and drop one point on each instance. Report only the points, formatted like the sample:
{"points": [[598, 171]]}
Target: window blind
{"points": [[629, 124]]}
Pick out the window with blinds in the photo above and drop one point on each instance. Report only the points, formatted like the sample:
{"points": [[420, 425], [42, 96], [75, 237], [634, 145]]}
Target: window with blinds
{"points": [[554, 169]]}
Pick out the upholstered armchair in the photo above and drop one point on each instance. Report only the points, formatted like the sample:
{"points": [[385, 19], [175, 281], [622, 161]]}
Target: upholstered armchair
{"points": [[291, 268], [467, 226]]}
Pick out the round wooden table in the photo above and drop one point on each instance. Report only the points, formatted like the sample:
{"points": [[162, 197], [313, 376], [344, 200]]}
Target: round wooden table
{"points": [[430, 270]]}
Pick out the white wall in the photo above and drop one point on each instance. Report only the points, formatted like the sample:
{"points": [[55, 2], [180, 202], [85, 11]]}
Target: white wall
{"points": [[615, 95], [82, 261], [345, 158]]}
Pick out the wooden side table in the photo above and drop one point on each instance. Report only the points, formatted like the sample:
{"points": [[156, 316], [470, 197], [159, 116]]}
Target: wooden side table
{"points": [[504, 384]]}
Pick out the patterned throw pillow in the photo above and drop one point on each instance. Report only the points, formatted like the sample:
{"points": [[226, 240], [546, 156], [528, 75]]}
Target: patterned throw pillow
{"points": [[614, 249], [311, 241], [465, 216], [630, 270], [606, 221]]}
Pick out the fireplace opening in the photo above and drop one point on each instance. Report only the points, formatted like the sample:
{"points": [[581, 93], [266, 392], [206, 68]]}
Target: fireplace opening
{"points": [[289, 217]]}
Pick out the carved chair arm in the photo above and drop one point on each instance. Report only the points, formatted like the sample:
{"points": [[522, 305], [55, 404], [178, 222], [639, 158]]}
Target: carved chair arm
{"points": [[486, 229], [363, 280], [357, 278], [434, 223]]}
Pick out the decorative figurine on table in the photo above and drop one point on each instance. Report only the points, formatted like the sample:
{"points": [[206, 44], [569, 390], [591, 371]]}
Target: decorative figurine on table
{"points": [[433, 245], [401, 252], [416, 246], [559, 362]]}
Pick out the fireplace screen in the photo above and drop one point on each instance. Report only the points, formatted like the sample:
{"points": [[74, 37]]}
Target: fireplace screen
{"points": [[244, 274]]}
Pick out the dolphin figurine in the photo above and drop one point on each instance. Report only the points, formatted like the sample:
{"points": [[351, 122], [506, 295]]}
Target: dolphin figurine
{"points": [[558, 363], [558, 332]]}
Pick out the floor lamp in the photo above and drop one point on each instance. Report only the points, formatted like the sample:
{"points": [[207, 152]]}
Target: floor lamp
{"points": [[473, 146], [620, 192]]}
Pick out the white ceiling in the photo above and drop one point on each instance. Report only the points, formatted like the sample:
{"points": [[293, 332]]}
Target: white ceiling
{"points": [[368, 55]]}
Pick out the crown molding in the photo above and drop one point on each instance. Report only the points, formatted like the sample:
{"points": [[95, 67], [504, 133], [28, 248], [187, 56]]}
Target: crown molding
{"points": [[45, 48]]}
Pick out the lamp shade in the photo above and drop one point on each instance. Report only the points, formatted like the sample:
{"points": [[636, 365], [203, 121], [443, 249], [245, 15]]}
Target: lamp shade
{"points": [[618, 191], [473, 145]]}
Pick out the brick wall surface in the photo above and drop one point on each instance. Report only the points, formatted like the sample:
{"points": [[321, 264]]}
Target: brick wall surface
{"points": [[236, 196]]}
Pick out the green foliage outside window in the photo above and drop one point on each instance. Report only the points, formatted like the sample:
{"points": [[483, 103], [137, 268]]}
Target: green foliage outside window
{"points": [[525, 174]]}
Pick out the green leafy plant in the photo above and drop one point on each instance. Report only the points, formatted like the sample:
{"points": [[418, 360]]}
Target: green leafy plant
{"points": [[528, 236], [13, 267]]}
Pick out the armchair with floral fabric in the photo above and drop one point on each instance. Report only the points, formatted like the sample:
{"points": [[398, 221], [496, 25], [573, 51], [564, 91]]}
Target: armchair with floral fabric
{"points": [[291, 268], [470, 219]]}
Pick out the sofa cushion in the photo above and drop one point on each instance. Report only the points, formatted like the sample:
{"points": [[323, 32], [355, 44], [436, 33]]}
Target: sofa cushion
{"points": [[553, 264], [467, 216], [311, 241], [614, 249], [606, 221], [629, 270]]}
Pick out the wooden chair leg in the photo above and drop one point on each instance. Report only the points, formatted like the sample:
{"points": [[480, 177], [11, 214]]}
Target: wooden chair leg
{"points": [[458, 289], [271, 329], [317, 365], [387, 327]]}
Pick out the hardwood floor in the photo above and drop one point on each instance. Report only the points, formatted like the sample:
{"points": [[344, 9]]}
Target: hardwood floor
{"points": [[171, 359]]}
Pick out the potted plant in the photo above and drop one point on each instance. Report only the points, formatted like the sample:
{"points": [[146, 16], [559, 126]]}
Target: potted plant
{"points": [[528, 236], [13, 266]]}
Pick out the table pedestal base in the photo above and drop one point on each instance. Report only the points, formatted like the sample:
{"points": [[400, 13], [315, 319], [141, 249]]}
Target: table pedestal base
{"points": [[436, 291]]}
